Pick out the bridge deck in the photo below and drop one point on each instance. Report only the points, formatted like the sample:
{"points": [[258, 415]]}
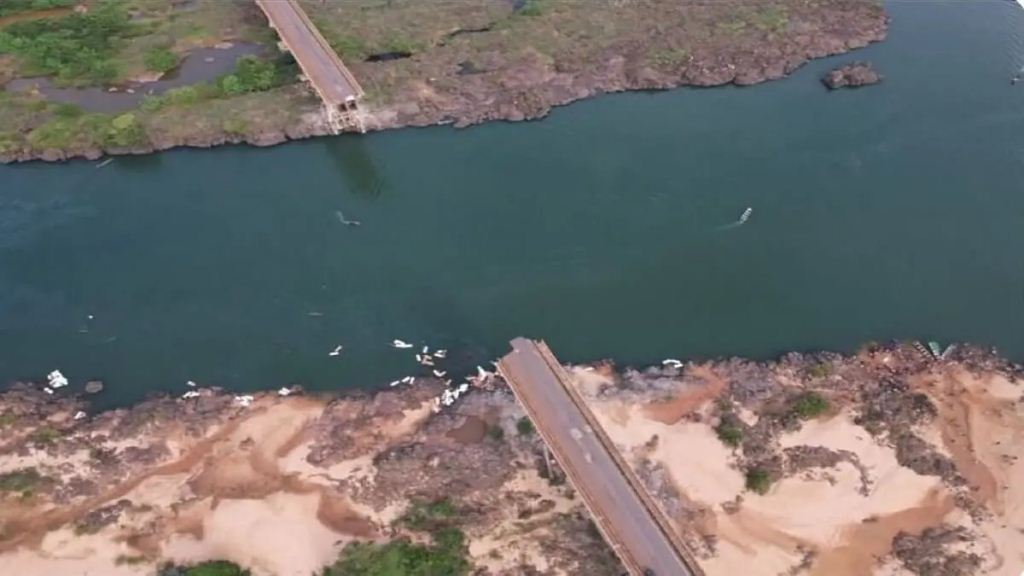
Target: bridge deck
{"points": [[321, 65], [630, 521]]}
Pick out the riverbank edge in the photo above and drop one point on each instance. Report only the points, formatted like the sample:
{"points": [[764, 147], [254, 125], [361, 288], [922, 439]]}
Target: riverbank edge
{"points": [[377, 120], [977, 358]]}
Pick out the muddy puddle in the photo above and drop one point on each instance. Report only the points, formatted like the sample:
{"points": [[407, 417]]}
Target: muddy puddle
{"points": [[200, 65]]}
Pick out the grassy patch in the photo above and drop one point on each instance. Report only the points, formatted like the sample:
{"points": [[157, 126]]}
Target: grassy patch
{"points": [[7, 418], [758, 480], [428, 516], [23, 480], [45, 435], [77, 48], [729, 432], [446, 556], [211, 568], [670, 58], [63, 132], [770, 18], [820, 370], [125, 560], [525, 427], [160, 60], [11, 7], [809, 405]]}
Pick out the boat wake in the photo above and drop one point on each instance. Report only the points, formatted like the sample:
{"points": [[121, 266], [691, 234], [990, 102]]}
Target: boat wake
{"points": [[743, 220]]}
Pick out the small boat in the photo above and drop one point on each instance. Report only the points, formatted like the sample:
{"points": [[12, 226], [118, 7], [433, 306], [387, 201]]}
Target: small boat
{"points": [[336, 351], [746, 215], [400, 344], [105, 162]]}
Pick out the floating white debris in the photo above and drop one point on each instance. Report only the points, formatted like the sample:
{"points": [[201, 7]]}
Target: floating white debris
{"points": [[190, 384], [336, 351], [91, 316], [427, 361], [440, 353], [426, 349], [672, 363], [56, 379], [284, 391], [48, 390], [190, 394], [79, 415], [400, 344], [419, 358], [395, 383], [439, 373], [244, 401], [463, 388]]}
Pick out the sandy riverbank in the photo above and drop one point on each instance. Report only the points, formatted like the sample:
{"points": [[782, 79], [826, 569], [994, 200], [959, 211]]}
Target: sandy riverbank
{"points": [[915, 458]]}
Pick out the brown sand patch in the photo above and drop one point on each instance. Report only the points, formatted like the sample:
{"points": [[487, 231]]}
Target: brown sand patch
{"points": [[689, 399], [472, 431], [865, 543]]}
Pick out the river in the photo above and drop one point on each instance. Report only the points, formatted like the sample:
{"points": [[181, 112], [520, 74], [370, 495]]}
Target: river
{"points": [[893, 211]]}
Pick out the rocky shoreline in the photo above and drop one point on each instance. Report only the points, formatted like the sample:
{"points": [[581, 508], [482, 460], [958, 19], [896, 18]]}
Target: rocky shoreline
{"points": [[917, 449], [530, 87]]}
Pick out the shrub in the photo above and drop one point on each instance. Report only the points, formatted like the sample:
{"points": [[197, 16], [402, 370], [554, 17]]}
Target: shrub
{"points": [[531, 8], [251, 75], [20, 480], [77, 47], [729, 432], [160, 60], [45, 435], [9, 7], [820, 370], [211, 568], [525, 427], [810, 405], [124, 131], [429, 515], [496, 432], [446, 557], [758, 480]]}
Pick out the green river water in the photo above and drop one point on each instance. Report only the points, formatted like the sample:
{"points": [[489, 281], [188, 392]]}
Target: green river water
{"points": [[894, 211]]}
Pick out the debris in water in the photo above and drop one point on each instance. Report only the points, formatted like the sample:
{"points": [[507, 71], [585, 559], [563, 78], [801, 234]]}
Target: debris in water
{"points": [[400, 344], [56, 379], [439, 373], [190, 394], [284, 391], [79, 415], [336, 351], [341, 218], [672, 363], [104, 163]]}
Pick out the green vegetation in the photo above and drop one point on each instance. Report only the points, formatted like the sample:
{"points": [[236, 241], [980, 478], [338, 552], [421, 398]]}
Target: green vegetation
{"points": [[770, 19], [445, 556], [758, 480], [23, 480], [669, 58], [10, 7], [7, 418], [496, 432], [531, 8], [251, 75], [809, 405], [125, 560], [428, 516], [729, 432], [161, 60], [45, 435], [75, 48], [212, 568], [820, 370], [525, 427], [100, 129]]}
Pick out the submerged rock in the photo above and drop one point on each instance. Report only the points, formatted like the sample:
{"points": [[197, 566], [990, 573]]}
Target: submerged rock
{"points": [[852, 75]]}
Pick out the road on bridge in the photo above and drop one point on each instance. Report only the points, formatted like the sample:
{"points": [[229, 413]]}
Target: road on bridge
{"points": [[318, 61], [627, 517]]}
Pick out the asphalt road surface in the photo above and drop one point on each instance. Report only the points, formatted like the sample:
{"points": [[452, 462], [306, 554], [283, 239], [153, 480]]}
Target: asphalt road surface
{"points": [[619, 511], [318, 62]]}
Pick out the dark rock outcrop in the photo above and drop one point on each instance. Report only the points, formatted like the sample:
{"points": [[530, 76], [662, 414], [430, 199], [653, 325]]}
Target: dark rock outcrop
{"points": [[852, 75]]}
